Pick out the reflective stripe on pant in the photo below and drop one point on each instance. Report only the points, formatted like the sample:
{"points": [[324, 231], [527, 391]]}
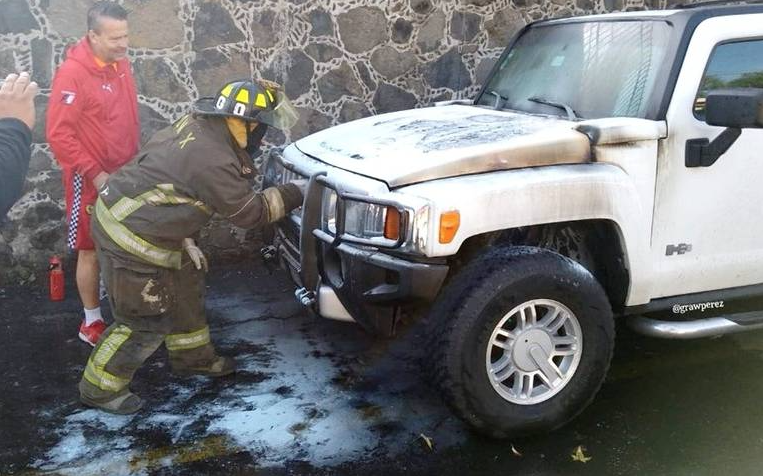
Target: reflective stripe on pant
{"points": [[113, 362], [95, 372], [189, 341]]}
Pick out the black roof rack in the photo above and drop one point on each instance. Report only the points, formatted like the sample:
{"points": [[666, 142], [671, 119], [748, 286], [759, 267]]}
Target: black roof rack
{"points": [[715, 3]]}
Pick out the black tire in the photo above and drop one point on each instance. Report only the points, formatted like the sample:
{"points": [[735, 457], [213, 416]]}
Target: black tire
{"points": [[461, 322]]}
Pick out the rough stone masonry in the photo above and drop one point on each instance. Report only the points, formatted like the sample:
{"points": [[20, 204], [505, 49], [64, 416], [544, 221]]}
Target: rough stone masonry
{"points": [[338, 59]]}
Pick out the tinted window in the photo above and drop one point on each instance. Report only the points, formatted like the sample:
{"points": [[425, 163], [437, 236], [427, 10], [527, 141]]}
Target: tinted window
{"points": [[731, 65]]}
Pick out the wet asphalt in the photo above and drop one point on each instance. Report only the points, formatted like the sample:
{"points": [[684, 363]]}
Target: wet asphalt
{"points": [[321, 397]]}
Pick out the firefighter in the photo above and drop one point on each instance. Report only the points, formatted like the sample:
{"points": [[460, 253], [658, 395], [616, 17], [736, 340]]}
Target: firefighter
{"points": [[147, 215]]}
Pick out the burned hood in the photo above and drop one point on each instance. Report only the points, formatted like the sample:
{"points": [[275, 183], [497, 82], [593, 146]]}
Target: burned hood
{"points": [[411, 146]]}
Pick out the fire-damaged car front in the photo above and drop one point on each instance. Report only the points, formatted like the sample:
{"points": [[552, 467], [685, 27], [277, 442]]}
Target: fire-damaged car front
{"points": [[365, 244], [362, 246]]}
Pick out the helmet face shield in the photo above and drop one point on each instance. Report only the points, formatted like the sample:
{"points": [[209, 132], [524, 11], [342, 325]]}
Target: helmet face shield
{"points": [[262, 101], [283, 116]]}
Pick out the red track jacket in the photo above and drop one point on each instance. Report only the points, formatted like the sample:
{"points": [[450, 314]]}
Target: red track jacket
{"points": [[92, 121]]}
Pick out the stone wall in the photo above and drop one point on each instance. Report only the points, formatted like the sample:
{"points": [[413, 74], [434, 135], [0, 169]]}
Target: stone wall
{"points": [[339, 60]]}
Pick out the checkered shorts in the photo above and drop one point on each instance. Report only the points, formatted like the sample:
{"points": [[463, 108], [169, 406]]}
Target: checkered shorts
{"points": [[80, 198], [71, 237]]}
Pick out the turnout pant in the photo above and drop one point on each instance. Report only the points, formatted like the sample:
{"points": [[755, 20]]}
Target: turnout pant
{"points": [[151, 306]]}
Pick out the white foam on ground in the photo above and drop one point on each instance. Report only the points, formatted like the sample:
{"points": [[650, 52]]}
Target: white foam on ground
{"points": [[75, 451], [316, 421]]}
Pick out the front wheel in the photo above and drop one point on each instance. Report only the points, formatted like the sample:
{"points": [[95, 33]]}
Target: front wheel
{"points": [[520, 341]]}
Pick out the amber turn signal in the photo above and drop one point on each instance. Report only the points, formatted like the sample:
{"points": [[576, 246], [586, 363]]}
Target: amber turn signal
{"points": [[449, 223], [392, 224]]}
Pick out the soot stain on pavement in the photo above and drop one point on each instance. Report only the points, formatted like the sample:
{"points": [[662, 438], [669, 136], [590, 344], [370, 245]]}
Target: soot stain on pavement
{"points": [[288, 400]]}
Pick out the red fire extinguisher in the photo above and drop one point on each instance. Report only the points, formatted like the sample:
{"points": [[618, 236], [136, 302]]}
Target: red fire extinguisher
{"points": [[56, 279]]}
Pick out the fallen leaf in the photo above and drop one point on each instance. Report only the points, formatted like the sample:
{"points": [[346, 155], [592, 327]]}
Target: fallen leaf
{"points": [[297, 428], [369, 411], [427, 441], [580, 456], [515, 451]]}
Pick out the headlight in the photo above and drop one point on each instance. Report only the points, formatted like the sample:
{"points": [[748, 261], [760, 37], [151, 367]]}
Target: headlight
{"points": [[364, 220], [378, 223], [328, 211]]}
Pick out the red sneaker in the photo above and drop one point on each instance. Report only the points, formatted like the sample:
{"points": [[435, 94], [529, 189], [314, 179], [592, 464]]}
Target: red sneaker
{"points": [[91, 333]]}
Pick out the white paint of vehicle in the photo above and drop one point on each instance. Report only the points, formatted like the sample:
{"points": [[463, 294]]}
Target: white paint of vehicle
{"points": [[534, 196], [638, 160], [657, 14], [619, 187], [330, 307], [620, 130], [424, 144], [716, 209], [295, 159]]}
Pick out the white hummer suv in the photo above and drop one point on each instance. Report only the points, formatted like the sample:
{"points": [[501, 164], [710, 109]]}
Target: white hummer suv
{"points": [[611, 166]]}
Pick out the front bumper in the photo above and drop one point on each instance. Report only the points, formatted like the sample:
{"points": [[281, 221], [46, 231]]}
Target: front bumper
{"points": [[351, 281]]}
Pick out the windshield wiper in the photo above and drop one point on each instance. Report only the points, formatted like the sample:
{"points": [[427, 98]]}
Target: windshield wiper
{"points": [[498, 98], [571, 115]]}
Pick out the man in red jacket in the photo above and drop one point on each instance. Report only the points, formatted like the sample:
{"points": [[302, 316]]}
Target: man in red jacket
{"points": [[93, 129]]}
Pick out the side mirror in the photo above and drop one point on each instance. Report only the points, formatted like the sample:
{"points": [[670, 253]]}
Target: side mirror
{"points": [[739, 108], [735, 109]]}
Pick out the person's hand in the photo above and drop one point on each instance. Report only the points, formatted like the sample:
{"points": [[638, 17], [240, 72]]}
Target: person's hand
{"points": [[100, 180], [301, 185], [17, 98], [198, 258]]}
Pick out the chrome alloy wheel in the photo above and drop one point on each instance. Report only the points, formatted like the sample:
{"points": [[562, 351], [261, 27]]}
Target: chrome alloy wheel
{"points": [[534, 351]]}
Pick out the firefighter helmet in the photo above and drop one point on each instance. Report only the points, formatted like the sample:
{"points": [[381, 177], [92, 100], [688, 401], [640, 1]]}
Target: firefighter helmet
{"points": [[260, 101]]}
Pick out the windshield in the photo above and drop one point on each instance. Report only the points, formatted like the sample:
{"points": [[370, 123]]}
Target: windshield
{"points": [[594, 69]]}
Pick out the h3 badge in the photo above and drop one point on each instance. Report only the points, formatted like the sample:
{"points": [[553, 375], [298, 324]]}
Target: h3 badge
{"points": [[681, 248]]}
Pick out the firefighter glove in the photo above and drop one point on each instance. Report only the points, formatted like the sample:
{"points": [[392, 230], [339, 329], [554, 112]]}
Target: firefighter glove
{"points": [[198, 258], [301, 185]]}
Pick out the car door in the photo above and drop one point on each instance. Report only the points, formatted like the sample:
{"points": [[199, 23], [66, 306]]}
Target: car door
{"points": [[706, 232]]}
